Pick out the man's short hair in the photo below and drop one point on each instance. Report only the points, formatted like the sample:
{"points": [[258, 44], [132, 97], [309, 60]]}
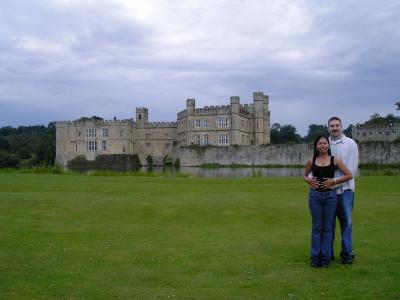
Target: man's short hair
{"points": [[335, 118]]}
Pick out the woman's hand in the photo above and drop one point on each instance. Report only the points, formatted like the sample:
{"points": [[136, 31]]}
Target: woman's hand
{"points": [[312, 182], [328, 183]]}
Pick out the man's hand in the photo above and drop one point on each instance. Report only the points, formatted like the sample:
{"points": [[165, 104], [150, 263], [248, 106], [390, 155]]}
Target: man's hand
{"points": [[312, 182], [328, 183]]}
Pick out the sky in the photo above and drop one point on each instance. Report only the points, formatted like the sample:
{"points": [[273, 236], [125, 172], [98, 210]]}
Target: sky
{"points": [[64, 59]]}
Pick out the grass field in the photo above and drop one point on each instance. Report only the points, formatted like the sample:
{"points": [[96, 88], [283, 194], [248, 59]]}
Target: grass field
{"points": [[87, 237]]}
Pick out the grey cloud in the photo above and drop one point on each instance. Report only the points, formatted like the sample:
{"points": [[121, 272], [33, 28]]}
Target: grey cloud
{"points": [[70, 60]]}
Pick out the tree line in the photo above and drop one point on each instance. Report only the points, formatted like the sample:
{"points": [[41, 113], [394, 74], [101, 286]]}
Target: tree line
{"points": [[28, 146]]}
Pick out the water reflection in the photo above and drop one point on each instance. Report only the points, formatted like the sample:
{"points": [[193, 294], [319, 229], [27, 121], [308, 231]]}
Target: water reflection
{"points": [[230, 172], [240, 172]]}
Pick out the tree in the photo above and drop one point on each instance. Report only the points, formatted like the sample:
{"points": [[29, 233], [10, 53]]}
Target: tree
{"points": [[284, 134], [315, 130], [376, 118], [348, 131], [275, 133], [27, 145], [7, 160], [4, 143], [390, 118], [289, 134]]}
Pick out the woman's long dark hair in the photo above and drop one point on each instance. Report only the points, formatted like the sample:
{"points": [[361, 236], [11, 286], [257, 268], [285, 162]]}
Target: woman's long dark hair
{"points": [[315, 146]]}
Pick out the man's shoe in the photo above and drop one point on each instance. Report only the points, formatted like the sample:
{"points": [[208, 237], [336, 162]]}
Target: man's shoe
{"points": [[315, 264], [347, 260]]}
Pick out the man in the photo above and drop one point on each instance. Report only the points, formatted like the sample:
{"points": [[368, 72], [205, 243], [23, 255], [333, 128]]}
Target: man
{"points": [[346, 149]]}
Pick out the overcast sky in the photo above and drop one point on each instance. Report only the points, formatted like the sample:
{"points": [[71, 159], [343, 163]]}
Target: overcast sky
{"points": [[63, 59]]}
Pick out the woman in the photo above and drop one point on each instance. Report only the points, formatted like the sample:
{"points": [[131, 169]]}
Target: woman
{"points": [[322, 198]]}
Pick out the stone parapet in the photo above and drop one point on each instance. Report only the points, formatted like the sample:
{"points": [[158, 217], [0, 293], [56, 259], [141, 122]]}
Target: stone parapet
{"points": [[96, 123], [291, 154], [160, 124], [376, 132]]}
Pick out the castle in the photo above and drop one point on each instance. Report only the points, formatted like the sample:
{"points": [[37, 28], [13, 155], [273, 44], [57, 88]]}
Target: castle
{"points": [[376, 132], [225, 125]]}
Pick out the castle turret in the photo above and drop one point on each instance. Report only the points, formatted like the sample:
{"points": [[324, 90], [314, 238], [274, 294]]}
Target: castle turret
{"points": [[142, 116], [190, 107], [259, 100], [235, 138], [267, 118]]}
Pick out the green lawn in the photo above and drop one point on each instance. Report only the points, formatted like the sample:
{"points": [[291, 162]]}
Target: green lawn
{"points": [[73, 236]]}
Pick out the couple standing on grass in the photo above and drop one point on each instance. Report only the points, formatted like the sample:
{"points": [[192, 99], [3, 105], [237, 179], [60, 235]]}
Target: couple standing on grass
{"points": [[330, 175]]}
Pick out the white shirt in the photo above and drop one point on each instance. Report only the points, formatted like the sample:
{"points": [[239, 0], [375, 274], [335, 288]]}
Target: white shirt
{"points": [[346, 149]]}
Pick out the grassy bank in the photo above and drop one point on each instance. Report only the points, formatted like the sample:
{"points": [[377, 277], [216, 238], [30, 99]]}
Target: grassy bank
{"points": [[103, 237]]}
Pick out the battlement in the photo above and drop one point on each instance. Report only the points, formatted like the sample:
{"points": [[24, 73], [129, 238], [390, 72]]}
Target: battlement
{"points": [[190, 102], [127, 122], [245, 109], [219, 109], [258, 96], [235, 100], [160, 124], [377, 126]]}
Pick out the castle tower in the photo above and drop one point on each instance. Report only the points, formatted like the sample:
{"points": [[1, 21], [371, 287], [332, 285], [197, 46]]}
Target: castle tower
{"points": [[259, 118], [191, 109], [142, 116], [235, 138], [267, 118]]}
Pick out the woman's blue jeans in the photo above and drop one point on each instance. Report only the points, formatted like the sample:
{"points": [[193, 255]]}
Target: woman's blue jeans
{"points": [[322, 207]]}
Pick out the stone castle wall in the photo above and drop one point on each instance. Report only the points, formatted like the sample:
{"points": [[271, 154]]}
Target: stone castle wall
{"points": [[376, 132], [291, 154], [294, 154]]}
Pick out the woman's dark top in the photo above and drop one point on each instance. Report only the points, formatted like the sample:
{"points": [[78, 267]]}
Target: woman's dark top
{"points": [[323, 172]]}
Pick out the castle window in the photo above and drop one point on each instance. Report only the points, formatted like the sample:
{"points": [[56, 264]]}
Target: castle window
{"points": [[223, 121], [223, 138], [198, 138], [140, 116], [105, 132], [380, 132], [121, 133], [79, 133], [91, 145], [205, 140], [76, 147], [167, 145], [205, 123], [198, 123], [364, 134], [104, 145], [147, 145], [387, 132], [91, 132], [123, 149]]}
